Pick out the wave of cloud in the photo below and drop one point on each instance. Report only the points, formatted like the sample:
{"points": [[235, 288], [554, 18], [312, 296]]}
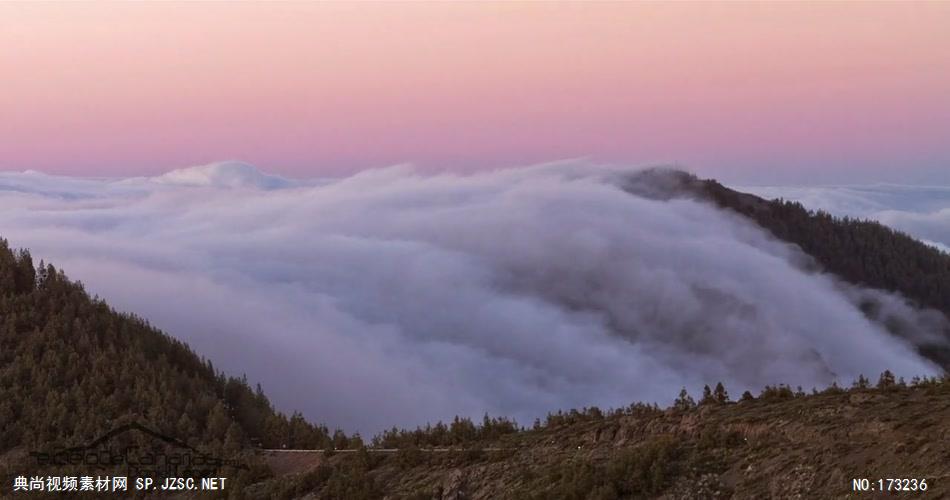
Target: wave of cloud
{"points": [[395, 298]]}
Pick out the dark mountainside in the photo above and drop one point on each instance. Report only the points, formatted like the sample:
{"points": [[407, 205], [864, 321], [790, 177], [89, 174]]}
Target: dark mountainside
{"points": [[860, 252], [71, 369]]}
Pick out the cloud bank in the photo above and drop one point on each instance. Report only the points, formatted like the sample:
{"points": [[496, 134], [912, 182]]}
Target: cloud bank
{"points": [[395, 298]]}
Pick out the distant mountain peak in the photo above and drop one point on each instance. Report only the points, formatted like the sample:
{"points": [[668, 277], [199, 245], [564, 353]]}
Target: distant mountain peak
{"points": [[224, 174]]}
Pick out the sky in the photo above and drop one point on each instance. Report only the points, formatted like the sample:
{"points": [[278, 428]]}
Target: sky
{"points": [[791, 92], [395, 296]]}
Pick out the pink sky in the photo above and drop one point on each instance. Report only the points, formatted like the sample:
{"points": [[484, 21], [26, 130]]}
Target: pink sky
{"points": [[753, 91]]}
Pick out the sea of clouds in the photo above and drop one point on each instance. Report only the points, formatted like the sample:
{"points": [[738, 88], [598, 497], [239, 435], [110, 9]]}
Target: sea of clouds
{"points": [[394, 297]]}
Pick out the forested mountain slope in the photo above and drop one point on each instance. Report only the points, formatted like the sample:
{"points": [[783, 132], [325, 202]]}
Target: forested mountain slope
{"points": [[861, 252]]}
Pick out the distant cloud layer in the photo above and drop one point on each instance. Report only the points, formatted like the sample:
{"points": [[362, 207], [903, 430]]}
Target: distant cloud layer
{"points": [[395, 298]]}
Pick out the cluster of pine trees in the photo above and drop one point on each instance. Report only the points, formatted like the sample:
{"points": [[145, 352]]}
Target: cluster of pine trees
{"points": [[459, 432]]}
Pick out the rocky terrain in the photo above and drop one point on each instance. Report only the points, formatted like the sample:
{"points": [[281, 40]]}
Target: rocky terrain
{"points": [[781, 444]]}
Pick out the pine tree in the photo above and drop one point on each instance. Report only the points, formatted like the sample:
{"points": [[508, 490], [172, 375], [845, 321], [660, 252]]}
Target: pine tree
{"points": [[340, 441], [684, 401], [720, 394], [707, 396], [886, 381]]}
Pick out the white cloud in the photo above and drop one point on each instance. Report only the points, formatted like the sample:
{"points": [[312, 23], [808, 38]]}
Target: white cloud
{"points": [[395, 298], [227, 174]]}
